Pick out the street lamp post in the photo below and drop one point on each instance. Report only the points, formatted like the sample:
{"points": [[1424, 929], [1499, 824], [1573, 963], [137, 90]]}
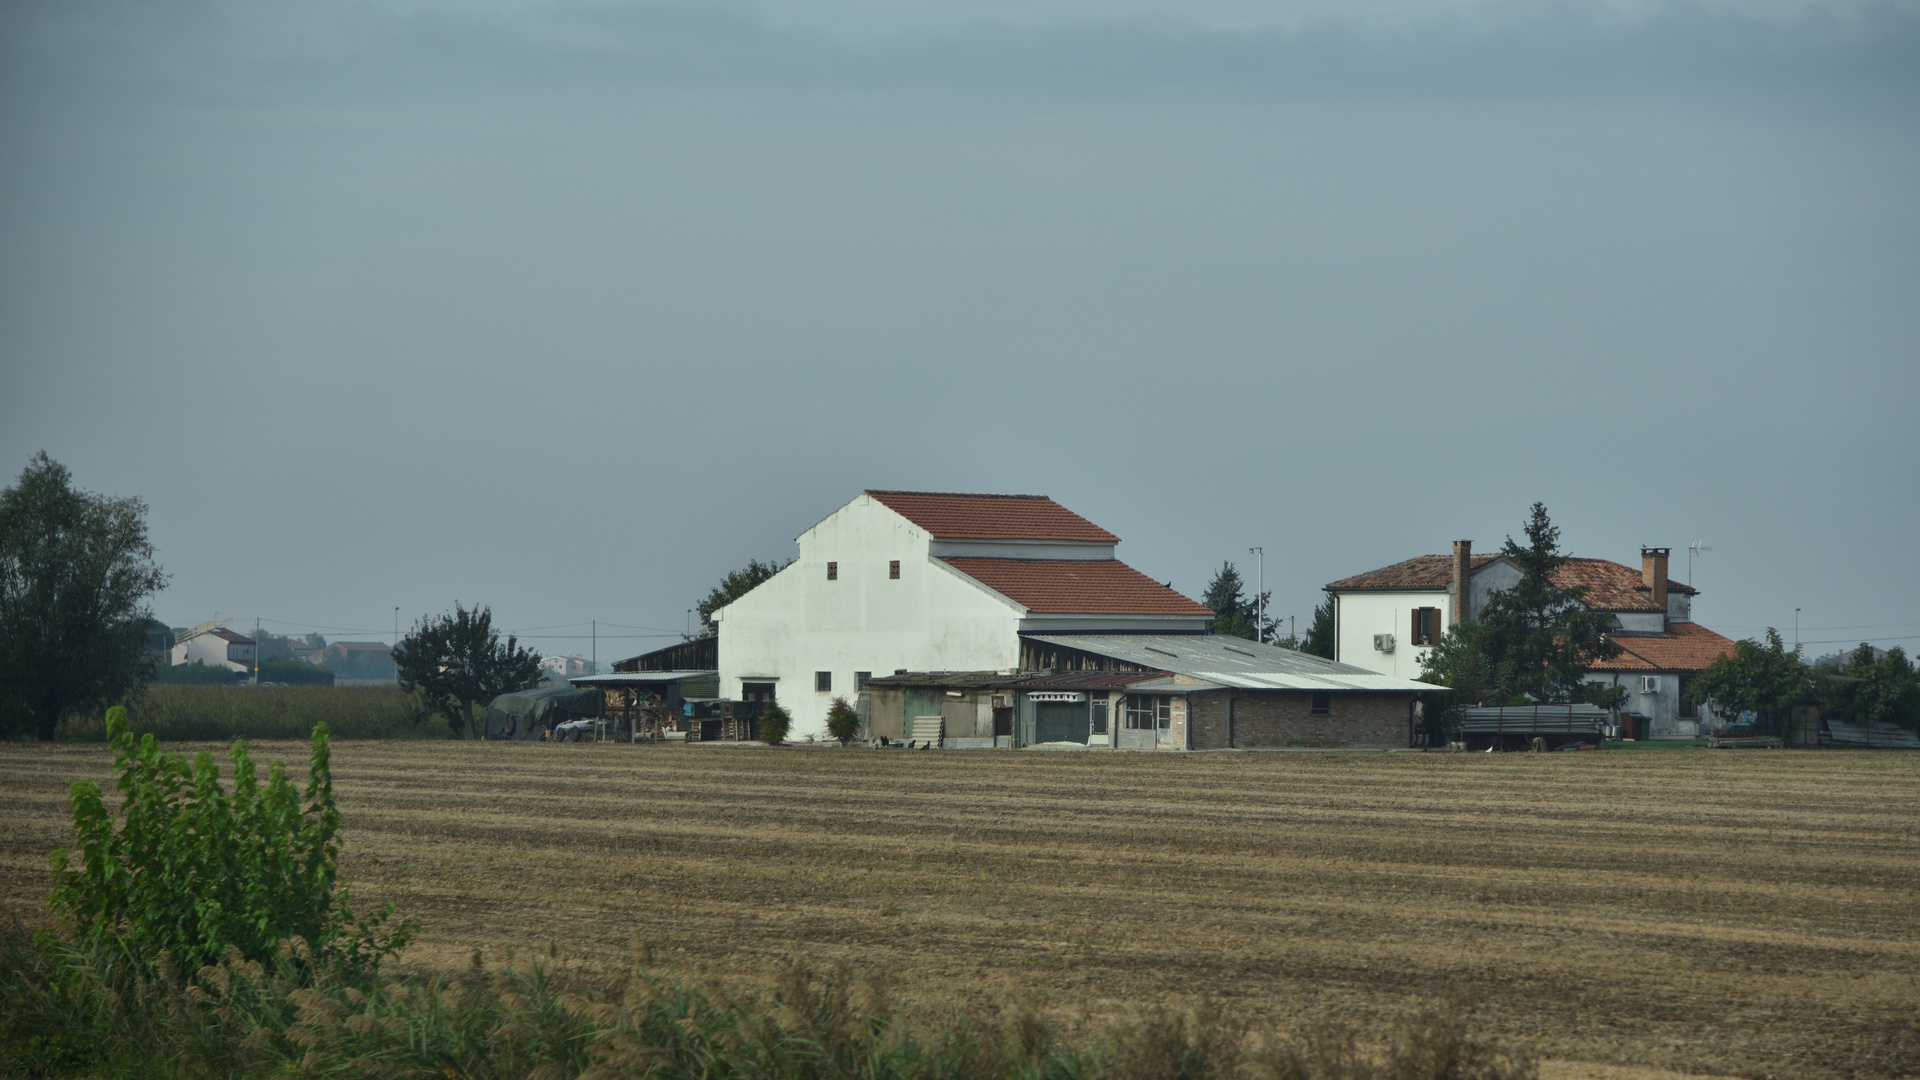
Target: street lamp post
{"points": [[1260, 596]]}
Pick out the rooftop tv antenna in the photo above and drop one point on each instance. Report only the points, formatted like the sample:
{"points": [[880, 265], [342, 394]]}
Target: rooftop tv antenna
{"points": [[1694, 551]]}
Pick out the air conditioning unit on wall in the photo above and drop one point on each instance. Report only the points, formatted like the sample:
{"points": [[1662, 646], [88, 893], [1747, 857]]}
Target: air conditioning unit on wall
{"points": [[1649, 684], [1383, 642]]}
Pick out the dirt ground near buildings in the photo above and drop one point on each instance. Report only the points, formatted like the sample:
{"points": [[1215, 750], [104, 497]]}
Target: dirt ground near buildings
{"points": [[1742, 913]]}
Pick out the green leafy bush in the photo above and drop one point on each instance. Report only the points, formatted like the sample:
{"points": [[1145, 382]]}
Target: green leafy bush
{"points": [[843, 722], [775, 723], [195, 871]]}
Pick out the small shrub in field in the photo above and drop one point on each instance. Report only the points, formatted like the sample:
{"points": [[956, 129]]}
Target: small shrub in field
{"points": [[775, 723], [842, 722], [194, 871]]}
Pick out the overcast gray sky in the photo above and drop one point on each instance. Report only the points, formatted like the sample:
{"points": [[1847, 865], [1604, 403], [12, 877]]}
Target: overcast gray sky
{"points": [[569, 308]]}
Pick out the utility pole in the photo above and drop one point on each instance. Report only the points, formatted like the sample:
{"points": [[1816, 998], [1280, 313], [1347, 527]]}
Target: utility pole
{"points": [[1260, 596], [256, 650], [596, 647], [1796, 629]]}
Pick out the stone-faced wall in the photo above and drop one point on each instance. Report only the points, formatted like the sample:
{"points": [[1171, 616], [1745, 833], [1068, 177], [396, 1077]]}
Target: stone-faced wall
{"points": [[1272, 719]]}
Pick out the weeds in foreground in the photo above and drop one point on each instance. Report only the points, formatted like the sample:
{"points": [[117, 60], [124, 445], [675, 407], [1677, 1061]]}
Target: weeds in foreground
{"points": [[76, 1011]]}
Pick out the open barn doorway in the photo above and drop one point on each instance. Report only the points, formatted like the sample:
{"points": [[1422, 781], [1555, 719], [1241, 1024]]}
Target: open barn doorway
{"points": [[1060, 717]]}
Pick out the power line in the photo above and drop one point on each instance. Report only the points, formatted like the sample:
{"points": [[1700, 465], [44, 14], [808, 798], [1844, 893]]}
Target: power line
{"points": [[1846, 626], [1858, 641]]}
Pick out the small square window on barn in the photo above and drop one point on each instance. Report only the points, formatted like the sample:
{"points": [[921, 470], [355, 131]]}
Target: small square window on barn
{"points": [[823, 681], [1323, 704], [833, 571], [893, 569], [860, 680]]}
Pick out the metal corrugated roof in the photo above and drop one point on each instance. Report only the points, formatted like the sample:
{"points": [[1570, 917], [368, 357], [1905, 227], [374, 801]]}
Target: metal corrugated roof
{"points": [[1233, 662], [634, 678]]}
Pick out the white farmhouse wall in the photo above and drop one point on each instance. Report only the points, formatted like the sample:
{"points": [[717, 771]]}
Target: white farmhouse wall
{"points": [[1359, 616], [931, 619], [1661, 705], [212, 650]]}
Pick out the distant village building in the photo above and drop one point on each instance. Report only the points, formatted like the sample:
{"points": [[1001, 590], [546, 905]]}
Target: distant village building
{"points": [[357, 661], [215, 646], [1387, 621], [566, 667], [971, 598]]}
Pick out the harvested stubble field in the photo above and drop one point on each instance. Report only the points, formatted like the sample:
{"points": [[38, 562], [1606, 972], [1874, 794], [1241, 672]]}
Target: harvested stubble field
{"points": [[1743, 913]]}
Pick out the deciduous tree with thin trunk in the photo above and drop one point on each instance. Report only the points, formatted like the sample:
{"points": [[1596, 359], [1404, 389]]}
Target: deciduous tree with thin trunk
{"points": [[76, 570], [455, 662]]}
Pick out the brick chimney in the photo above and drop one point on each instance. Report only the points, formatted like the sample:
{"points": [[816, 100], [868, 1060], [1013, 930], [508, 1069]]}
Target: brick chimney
{"points": [[1653, 574], [1462, 582]]}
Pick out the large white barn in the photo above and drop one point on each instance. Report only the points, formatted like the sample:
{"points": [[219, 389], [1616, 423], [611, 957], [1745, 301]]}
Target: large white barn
{"points": [[899, 581]]}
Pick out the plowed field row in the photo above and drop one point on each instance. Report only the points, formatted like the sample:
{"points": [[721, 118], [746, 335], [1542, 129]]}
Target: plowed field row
{"points": [[1751, 913]]}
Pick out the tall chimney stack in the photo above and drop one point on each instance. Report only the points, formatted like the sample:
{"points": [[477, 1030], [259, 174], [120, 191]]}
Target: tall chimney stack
{"points": [[1653, 574], [1462, 582]]}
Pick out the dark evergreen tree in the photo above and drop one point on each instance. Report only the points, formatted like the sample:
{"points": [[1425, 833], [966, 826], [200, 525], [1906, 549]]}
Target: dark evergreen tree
{"points": [[1319, 637], [1536, 640], [1233, 614]]}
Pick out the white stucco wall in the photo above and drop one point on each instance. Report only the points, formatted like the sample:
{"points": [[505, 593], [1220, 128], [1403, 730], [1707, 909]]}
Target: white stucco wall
{"points": [[932, 619], [1662, 705], [1360, 615]]}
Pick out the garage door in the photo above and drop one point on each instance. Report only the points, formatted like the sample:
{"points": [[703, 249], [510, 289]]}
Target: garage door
{"points": [[1057, 721]]}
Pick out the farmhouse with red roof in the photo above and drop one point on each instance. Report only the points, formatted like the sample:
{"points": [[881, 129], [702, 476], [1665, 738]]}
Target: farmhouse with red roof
{"points": [[921, 585], [1385, 620]]}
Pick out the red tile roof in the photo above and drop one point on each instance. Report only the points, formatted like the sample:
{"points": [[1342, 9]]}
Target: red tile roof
{"points": [[1610, 586], [950, 516], [1077, 586], [1684, 647], [1419, 572]]}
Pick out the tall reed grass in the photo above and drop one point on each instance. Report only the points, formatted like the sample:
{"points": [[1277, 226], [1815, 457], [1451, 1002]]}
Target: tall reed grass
{"points": [[203, 713]]}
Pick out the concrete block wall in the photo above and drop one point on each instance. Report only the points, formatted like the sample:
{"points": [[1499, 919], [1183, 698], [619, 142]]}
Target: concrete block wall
{"points": [[1281, 719]]}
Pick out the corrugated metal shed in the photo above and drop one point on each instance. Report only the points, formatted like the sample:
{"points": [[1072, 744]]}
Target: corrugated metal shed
{"points": [[1234, 662]]}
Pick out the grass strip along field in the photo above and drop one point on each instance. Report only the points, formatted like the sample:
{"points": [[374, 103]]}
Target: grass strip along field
{"points": [[1742, 913]]}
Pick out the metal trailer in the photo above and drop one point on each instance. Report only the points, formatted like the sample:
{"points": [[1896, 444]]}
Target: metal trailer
{"points": [[1523, 727]]}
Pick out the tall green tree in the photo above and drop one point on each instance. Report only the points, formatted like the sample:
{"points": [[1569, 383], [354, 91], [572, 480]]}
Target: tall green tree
{"points": [[457, 661], [1765, 679], [1319, 637], [76, 571], [735, 585], [1234, 614], [1536, 640]]}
